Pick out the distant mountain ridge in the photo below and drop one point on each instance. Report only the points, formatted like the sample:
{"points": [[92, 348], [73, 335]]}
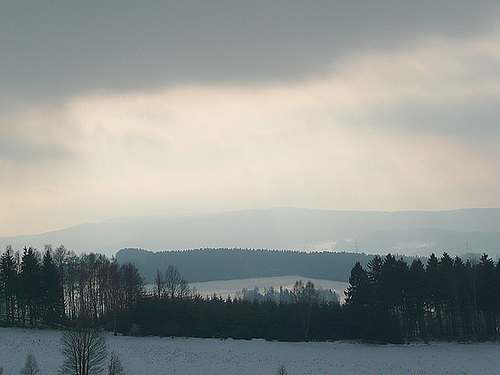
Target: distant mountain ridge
{"points": [[407, 232]]}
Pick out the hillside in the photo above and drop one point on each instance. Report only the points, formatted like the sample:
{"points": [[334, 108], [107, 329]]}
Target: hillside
{"points": [[228, 264], [407, 232]]}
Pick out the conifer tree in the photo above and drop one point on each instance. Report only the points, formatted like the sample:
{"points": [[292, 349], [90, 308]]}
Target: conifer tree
{"points": [[416, 299], [30, 284], [52, 293], [9, 281], [358, 291]]}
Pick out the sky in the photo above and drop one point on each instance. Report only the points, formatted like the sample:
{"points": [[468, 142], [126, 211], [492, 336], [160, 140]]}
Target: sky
{"points": [[114, 109]]}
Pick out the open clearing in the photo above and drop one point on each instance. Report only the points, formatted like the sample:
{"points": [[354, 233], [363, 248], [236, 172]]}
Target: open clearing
{"points": [[160, 356]]}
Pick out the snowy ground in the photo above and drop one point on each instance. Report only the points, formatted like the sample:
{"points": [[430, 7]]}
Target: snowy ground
{"points": [[155, 356]]}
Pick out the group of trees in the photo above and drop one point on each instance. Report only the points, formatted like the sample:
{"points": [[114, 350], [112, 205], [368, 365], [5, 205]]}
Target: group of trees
{"points": [[305, 316], [30, 287], [390, 300], [443, 298], [284, 295], [170, 284], [59, 286]]}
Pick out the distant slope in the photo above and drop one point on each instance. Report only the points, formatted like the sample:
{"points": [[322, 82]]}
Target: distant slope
{"points": [[227, 264], [411, 232]]}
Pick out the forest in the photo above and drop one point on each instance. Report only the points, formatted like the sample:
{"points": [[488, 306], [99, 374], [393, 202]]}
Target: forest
{"points": [[59, 287], [229, 264], [441, 298], [390, 300]]}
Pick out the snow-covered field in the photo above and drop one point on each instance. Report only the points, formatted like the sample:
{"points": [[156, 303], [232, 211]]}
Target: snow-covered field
{"points": [[155, 356]]}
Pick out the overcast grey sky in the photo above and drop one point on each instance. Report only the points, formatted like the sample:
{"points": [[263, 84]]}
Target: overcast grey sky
{"points": [[112, 108]]}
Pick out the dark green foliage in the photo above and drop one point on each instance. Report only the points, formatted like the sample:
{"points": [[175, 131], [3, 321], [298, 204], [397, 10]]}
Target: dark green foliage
{"points": [[215, 317], [9, 285], [30, 286], [52, 289], [447, 299]]}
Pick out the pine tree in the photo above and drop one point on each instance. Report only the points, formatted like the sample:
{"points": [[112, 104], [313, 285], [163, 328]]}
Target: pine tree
{"points": [[434, 283], [416, 299], [359, 289], [9, 281], [52, 293], [486, 286], [30, 284]]}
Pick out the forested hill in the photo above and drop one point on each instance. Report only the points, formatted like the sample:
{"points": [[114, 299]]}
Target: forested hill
{"points": [[227, 264]]}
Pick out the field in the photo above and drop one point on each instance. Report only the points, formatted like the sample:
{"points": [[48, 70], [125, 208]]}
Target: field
{"points": [[160, 356]]}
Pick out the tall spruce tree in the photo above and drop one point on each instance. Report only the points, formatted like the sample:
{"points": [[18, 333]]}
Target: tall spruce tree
{"points": [[9, 279], [52, 292], [30, 285]]}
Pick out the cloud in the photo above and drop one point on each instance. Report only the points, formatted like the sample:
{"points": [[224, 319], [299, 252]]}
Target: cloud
{"points": [[49, 51], [411, 128]]}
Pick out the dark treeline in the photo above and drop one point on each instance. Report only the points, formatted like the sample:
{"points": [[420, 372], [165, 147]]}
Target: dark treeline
{"points": [[91, 290], [389, 301], [240, 319], [442, 299], [61, 287], [307, 316]]}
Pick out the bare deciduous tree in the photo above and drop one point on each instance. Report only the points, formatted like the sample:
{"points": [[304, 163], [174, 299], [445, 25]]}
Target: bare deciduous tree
{"points": [[282, 370], [160, 283], [30, 367], [175, 285], [115, 366], [84, 352]]}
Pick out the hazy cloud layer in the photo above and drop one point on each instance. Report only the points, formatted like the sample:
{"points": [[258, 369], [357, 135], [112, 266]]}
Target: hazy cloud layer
{"points": [[53, 49], [180, 108]]}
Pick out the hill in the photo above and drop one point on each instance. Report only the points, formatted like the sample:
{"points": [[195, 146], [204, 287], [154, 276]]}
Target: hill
{"points": [[227, 264], [407, 232]]}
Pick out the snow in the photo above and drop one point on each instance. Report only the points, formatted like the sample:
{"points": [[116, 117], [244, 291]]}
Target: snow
{"points": [[159, 356]]}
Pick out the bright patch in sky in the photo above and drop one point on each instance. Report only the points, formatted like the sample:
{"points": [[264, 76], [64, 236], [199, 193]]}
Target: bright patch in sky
{"points": [[415, 126]]}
